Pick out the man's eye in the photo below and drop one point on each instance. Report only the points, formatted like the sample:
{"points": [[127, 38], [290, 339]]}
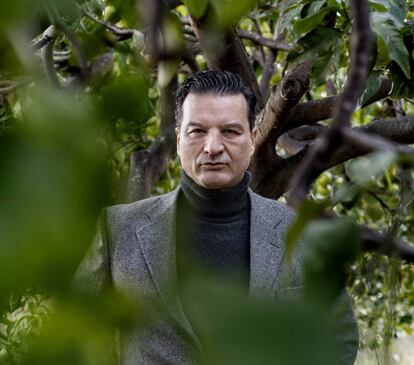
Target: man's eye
{"points": [[196, 132], [231, 131]]}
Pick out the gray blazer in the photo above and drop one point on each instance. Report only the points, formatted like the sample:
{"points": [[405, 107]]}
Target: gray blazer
{"points": [[134, 250]]}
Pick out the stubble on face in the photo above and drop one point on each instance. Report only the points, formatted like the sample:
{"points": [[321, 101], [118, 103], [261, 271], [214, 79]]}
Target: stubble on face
{"points": [[214, 141]]}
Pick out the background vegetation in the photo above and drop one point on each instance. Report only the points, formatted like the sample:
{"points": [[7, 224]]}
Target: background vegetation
{"points": [[86, 120]]}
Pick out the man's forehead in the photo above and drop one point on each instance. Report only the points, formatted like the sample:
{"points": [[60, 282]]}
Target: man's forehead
{"points": [[193, 97], [206, 106]]}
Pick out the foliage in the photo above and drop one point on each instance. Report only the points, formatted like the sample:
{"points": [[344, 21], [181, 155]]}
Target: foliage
{"points": [[64, 153], [22, 319]]}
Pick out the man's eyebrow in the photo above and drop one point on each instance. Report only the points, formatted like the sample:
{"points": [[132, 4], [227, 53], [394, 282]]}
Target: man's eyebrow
{"points": [[235, 125], [195, 124]]}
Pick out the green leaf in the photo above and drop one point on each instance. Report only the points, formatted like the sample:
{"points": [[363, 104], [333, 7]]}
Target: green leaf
{"points": [[329, 247], [231, 11], [312, 7], [372, 85], [292, 12], [336, 4], [364, 169], [396, 9], [237, 330], [166, 71], [11, 10], [346, 194], [402, 86], [307, 211], [68, 10], [196, 7], [126, 97], [322, 46], [314, 14], [51, 191], [391, 36], [379, 5], [311, 22]]}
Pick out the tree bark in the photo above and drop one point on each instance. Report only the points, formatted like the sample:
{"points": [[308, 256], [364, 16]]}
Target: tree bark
{"points": [[272, 118], [147, 166], [224, 51], [276, 181]]}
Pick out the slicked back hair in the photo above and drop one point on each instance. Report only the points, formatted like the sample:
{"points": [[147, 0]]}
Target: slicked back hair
{"points": [[220, 83]]}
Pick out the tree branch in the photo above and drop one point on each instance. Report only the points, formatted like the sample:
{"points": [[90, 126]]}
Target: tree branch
{"points": [[259, 31], [275, 44], [295, 140], [47, 56], [269, 66], [35, 46], [316, 110], [399, 130], [314, 163], [122, 33], [233, 57], [280, 104], [147, 166], [102, 65], [8, 86], [391, 246], [371, 142], [270, 121]]}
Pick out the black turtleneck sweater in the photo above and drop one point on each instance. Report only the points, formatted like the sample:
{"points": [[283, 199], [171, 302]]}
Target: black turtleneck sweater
{"points": [[213, 231]]}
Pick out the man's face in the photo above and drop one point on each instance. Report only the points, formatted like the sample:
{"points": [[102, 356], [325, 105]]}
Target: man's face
{"points": [[214, 141]]}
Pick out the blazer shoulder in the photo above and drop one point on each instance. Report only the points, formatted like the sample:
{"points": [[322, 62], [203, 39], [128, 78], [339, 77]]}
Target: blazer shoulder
{"points": [[124, 214], [272, 207]]}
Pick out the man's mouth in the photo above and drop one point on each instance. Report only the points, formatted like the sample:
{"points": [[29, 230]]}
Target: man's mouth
{"points": [[213, 164]]}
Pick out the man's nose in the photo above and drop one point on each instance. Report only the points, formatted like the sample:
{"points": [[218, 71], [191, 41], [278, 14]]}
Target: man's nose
{"points": [[213, 144]]}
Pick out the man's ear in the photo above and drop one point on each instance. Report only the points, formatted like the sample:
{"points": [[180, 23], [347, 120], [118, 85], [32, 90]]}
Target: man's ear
{"points": [[177, 134], [254, 132]]}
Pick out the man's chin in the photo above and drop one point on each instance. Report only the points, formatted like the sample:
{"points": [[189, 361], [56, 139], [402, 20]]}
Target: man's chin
{"points": [[215, 181]]}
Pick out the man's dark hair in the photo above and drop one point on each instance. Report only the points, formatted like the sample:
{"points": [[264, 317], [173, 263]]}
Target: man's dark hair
{"points": [[215, 82]]}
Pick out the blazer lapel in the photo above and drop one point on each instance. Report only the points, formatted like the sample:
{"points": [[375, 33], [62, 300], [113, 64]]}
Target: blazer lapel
{"points": [[266, 248], [157, 240]]}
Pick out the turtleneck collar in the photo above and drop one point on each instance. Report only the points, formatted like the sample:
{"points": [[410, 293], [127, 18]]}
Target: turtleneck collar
{"points": [[216, 202]]}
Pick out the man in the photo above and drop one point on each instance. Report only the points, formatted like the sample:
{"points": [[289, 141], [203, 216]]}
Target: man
{"points": [[213, 221]]}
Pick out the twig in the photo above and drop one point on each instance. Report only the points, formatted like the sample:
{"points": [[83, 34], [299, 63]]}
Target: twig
{"points": [[259, 31], [8, 86], [47, 56], [270, 43], [122, 33], [40, 43], [269, 66]]}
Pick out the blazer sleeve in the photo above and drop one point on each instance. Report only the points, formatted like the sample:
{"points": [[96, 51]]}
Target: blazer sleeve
{"points": [[94, 274], [345, 325]]}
